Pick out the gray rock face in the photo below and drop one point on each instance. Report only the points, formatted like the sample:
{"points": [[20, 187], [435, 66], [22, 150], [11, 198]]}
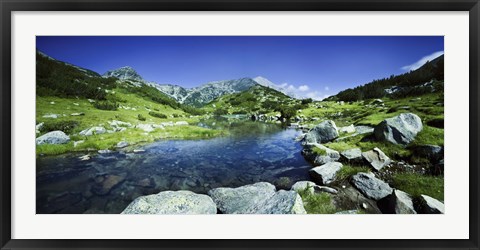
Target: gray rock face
{"points": [[400, 129], [326, 189], [181, 123], [353, 155], [258, 198], [93, 131], [303, 185], [124, 73], [116, 123], [348, 212], [431, 205], [398, 202], [172, 202], [376, 158], [54, 137], [326, 173], [39, 127], [370, 186], [122, 144], [363, 129], [347, 129], [324, 132], [145, 127], [53, 116], [329, 155]]}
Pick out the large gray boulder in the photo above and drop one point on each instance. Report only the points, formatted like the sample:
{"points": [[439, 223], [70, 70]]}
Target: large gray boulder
{"points": [[311, 187], [145, 127], [324, 132], [172, 202], [54, 137], [347, 129], [376, 158], [326, 173], [258, 198], [311, 153], [301, 186], [398, 202], [353, 155], [400, 129], [431, 206], [93, 131], [370, 186]]}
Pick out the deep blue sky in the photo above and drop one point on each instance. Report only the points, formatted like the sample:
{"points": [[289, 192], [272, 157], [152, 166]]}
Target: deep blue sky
{"points": [[325, 64]]}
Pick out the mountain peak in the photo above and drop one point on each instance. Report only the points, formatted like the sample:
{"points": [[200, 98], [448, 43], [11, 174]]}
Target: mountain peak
{"points": [[263, 81], [124, 73]]}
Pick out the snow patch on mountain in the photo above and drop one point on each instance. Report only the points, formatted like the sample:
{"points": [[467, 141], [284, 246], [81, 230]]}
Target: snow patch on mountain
{"points": [[284, 87]]}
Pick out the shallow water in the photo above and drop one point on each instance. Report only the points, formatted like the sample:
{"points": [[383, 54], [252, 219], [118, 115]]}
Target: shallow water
{"points": [[107, 183]]}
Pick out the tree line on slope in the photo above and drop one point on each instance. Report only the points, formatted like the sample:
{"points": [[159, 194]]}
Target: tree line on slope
{"points": [[408, 84]]}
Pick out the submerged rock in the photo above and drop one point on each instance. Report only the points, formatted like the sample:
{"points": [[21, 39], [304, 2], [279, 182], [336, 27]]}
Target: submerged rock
{"points": [[106, 183], [172, 202], [326, 173], [370, 186], [376, 158], [54, 137], [324, 132], [258, 198], [400, 129]]}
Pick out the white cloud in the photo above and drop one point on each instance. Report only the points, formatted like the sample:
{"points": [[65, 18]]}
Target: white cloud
{"points": [[303, 88], [422, 61], [302, 91], [327, 88]]}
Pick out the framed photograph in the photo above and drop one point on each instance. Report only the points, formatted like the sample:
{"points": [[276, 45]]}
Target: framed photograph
{"points": [[239, 124]]}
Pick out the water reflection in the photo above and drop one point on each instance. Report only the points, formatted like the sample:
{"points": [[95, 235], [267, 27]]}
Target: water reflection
{"points": [[107, 183]]}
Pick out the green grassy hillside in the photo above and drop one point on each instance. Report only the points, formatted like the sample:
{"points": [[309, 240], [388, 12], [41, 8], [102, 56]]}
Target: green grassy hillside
{"points": [[256, 100], [72, 99]]}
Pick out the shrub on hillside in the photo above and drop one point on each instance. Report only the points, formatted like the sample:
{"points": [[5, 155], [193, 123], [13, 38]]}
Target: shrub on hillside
{"points": [[141, 117], [156, 114], [105, 105], [65, 126]]}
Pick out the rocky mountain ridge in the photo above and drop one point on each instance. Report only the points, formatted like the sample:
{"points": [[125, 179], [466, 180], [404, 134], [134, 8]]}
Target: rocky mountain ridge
{"points": [[201, 95]]}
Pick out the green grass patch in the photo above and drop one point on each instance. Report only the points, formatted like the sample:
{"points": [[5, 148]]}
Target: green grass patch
{"points": [[417, 184], [347, 171], [429, 135], [132, 136], [340, 146], [319, 151], [317, 203]]}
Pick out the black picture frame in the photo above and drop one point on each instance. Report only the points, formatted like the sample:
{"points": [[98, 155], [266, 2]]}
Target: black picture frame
{"points": [[8, 6]]}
